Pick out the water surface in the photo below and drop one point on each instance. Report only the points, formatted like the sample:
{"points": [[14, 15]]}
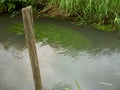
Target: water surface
{"points": [[66, 53]]}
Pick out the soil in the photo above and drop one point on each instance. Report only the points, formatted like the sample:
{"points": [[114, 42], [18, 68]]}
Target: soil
{"points": [[52, 11]]}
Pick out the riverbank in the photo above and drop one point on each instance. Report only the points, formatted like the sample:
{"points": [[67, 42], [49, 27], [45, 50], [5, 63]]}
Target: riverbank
{"points": [[100, 14], [55, 12]]}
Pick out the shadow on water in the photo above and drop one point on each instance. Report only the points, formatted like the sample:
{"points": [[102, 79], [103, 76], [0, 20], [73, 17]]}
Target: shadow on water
{"points": [[66, 53]]}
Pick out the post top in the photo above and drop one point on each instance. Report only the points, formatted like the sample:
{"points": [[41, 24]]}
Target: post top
{"points": [[26, 8]]}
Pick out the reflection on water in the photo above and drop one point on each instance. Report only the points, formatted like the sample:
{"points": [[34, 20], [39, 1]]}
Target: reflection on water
{"points": [[94, 72], [97, 68]]}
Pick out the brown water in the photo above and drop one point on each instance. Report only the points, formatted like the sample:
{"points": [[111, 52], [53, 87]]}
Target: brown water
{"points": [[96, 66]]}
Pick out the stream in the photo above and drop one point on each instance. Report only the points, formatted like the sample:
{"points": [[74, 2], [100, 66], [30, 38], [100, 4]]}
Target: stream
{"points": [[68, 55]]}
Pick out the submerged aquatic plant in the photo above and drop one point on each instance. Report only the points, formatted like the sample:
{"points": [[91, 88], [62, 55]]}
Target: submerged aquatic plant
{"points": [[56, 36]]}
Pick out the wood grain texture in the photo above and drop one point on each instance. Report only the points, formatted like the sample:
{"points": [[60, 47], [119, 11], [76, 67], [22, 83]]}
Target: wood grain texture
{"points": [[30, 41]]}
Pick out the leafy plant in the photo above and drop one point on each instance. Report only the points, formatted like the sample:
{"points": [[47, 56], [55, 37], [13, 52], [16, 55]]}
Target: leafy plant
{"points": [[13, 5]]}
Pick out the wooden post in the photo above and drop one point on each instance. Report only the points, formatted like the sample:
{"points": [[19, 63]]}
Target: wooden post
{"points": [[30, 40]]}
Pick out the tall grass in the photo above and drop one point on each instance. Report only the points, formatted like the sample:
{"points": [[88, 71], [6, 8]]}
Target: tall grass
{"points": [[103, 12]]}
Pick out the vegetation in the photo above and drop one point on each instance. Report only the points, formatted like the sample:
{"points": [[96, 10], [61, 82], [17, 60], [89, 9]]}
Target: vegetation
{"points": [[65, 87], [56, 36], [77, 84], [97, 12], [15, 5], [102, 14]]}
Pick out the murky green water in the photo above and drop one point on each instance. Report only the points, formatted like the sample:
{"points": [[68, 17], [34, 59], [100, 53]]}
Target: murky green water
{"points": [[66, 53]]}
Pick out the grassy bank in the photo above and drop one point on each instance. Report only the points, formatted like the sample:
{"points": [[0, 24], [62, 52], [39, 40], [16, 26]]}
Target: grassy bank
{"points": [[102, 14]]}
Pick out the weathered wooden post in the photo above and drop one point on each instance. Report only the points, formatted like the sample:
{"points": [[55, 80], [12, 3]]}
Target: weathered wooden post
{"points": [[30, 40]]}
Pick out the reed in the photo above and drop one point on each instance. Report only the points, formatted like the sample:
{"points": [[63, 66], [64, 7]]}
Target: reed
{"points": [[102, 12]]}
